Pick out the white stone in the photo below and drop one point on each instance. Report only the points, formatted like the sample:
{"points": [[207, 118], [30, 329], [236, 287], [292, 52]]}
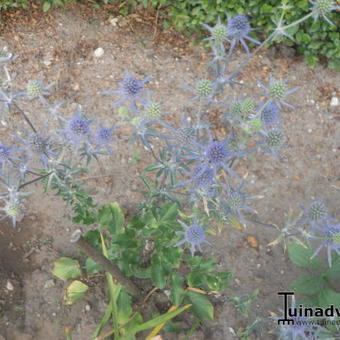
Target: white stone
{"points": [[87, 308], [99, 52], [114, 22], [334, 101], [49, 284], [9, 286]]}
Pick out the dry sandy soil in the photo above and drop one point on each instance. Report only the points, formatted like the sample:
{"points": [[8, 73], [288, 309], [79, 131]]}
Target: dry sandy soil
{"points": [[61, 44]]}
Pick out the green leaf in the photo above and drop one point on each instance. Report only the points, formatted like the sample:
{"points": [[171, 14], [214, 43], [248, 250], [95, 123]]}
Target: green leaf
{"points": [[301, 256], [169, 213], [309, 301], [75, 291], [307, 284], [66, 268], [328, 297], [124, 307], [92, 267], [157, 321], [334, 271], [177, 291], [158, 275], [111, 216], [201, 306], [46, 6]]}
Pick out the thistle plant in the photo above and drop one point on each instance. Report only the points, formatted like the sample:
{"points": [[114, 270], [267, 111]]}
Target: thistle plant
{"points": [[191, 160]]}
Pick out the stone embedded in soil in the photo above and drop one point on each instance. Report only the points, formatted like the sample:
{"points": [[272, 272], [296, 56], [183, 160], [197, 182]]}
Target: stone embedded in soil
{"points": [[334, 101], [49, 284], [9, 286], [99, 52]]}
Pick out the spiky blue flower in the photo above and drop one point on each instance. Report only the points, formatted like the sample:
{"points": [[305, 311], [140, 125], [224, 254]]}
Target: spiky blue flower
{"points": [[218, 33], [215, 155], [202, 180], [238, 30], [322, 8], [329, 238], [315, 214], [234, 201], [77, 129], [277, 91], [13, 201], [12, 209], [273, 140], [194, 235], [184, 136], [270, 114], [204, 90], [38, 145], [130, 90], [37, 89], [103, 135], [6, 155]]}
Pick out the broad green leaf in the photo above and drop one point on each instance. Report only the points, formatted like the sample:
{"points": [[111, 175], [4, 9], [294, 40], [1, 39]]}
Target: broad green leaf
{"points": [[66, 268], [307, 284], [92, 267], [75, 291], [308, 301], [329, 297], [334, 271], [177, 291], [46, 6], [111, 216], [201, 306], [169, 212], [301, 256], [158, 275], [124, 307]]}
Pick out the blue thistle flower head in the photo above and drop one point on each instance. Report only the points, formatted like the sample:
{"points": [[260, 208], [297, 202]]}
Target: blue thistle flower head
{"points": [[202, 180], [13, 209], [322, 8], [329, 238], [203, 91], [103, 135], [277, 91], [270, 114], [218, 33], [77, 129], [315, 214], [130, 90], [37, 89], [238, 30], [194, 235], [273, 140], [6, 155], [234, 201], [215, 154], [38, 145]]}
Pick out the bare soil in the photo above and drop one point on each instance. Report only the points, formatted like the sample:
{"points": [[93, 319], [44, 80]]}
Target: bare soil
{"points": [[61, 44]]}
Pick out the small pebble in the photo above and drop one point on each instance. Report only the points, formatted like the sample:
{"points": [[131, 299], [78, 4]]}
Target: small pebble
{"points": [[334, 101], [49, 284], [99, 52], [87, 308], [9, 286]]}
